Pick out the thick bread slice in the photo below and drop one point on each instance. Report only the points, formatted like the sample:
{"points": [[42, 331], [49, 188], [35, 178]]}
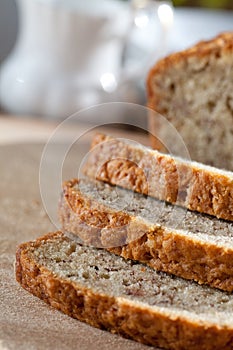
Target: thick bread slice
{"points": [[193, 89], [168, 238], [123, 297], [189, 184]]}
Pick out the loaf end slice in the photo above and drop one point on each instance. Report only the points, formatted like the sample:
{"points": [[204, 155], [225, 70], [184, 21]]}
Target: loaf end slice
{"points": [[123, 297]]}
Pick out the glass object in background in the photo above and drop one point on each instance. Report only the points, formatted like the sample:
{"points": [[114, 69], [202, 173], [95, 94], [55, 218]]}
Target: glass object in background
{"points": [[147, 41], [152, 24]]}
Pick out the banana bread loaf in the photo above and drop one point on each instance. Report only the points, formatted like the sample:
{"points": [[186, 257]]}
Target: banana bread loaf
{"points": [[124, 297], [193, 89], [166, 237], [189, 184]]}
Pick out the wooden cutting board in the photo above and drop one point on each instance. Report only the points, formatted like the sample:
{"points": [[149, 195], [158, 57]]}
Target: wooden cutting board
{"points": [[26, 322]]}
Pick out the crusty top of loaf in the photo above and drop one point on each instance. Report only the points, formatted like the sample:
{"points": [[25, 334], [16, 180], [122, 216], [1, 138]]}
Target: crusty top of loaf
{"points": [[223, 43], [193, 90]]}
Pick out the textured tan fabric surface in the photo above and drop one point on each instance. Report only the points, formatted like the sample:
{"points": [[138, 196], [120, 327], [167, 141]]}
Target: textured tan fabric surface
{"points": [[25, 321]]}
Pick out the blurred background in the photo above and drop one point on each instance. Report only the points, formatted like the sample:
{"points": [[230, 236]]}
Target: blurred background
{"points": [[59, 56], [227, 4], [9, 18]]}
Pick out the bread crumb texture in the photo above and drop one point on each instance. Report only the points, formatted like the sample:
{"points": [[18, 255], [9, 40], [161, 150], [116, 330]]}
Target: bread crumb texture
{"points": [[166, 237], [193, 89], [124, 297]]}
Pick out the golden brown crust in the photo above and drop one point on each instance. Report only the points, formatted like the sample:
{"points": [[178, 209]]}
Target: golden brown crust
{"points": [[161, 176], [222, 43], [164, 249], [98, 226], [152, 326]]}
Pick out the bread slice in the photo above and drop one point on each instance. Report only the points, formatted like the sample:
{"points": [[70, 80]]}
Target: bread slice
{"points": [[193, 89], [124, 297], [167, 238], [189, 184]]}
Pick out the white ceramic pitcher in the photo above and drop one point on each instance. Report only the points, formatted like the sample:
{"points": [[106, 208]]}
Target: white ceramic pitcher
{"points": [[68, 54]]}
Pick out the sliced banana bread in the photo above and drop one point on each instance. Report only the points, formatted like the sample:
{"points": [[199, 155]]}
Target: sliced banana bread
{"points": [[193, 89], [166, 237], [124, 297], [189, 184]]}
